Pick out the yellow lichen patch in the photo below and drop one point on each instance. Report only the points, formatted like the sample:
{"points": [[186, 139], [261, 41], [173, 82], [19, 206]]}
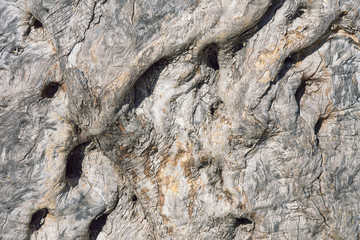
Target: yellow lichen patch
{"points": [[265, 78], [94, 49], [186, 160], [244, 197], [217, 137], [121, 127], [294, 38], [192, 196], [143, 193], [55, 157], [52, 45], [148, 170], [174, 177], [173, 184], [120, 81], [161, 198], [135, 176], [186, 163], [170, 230], [160, 181], [269, 57]]}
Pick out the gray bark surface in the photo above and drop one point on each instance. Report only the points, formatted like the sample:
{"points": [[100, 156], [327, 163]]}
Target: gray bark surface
{"points": [[197, 119]]}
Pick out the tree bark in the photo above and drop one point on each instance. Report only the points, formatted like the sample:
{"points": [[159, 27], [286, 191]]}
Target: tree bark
{"points": [[197, 119]]}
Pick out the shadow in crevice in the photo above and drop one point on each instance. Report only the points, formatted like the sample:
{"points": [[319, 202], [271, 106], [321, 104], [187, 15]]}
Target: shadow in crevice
{"points": [[298, 13], [37, 220], [269, 14], [134, 198], [74, 164], [216, 108], [50, 90], [33, 23], [209, 56], [242, 221], [97, 225], [243, 224], [146, 83], [318, 125], [300, 93]]}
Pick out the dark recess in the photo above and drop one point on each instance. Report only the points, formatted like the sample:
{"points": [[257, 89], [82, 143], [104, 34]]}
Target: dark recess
{"points": [[50, 90], [298, 13], [242, 221], [300, 93], [37, 219], [270, 13], [318, 125], [17, 50], [215, 107], [77, 129], [74, 163], [96, 226], [134, 198], [27, 31], [37, 24], [145, 85], [210, 56], [288, 63], [204, 162], [33, 22]]}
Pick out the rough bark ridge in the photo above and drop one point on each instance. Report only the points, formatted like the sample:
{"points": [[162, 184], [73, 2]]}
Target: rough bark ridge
{"points": [[197, 119]]}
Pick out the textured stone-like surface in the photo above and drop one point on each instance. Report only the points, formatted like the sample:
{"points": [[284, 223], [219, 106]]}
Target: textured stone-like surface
{"points": [[195, 119]]}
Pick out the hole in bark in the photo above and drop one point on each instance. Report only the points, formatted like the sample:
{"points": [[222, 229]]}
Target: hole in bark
{"points": [[134, 198], [318, 125], [299, 13], [33, 23], [37, 219], [77, 129], [211, 56], [37, 24], [204, 161], [214, 108], [96, 226], [203, 165], [16, 50], [50, 90], [74, 163], [242, 221], [300, 93]]}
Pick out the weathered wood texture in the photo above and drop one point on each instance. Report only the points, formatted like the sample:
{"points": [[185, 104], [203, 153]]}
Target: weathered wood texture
{"points": [[196, 119]]}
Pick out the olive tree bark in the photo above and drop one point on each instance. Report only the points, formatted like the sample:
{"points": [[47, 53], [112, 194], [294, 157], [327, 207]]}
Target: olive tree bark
{"points": [[197, 119]]}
